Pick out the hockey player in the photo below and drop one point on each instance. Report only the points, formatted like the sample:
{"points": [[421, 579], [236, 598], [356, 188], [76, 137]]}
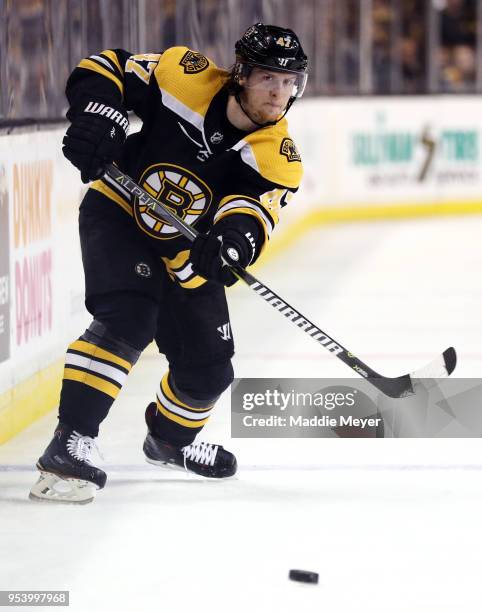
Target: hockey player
{"points": [[214, 147]]}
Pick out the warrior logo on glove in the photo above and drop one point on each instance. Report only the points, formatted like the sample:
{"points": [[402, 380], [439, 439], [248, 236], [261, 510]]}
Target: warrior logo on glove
{"points": [[92, 139], [109, 112], [186, 194]]}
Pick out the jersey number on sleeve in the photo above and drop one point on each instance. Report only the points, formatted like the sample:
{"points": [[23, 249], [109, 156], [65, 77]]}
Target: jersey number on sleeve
{"points": [[275, 199], [143, 65]]}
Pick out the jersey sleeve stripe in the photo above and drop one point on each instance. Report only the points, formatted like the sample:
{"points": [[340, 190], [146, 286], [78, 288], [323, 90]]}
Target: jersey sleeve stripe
{"points": [[180, 270], [94, 66], [253, 214], [178, 262], [184, 273], [105, 190], [102, 60], [176, 106], [112, 56], [246, 153], [242, 205], [248, 157], [193, 283]]}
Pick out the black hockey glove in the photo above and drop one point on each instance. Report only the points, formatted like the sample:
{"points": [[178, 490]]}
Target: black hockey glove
{"points": [[95, 137], [209, 250]]}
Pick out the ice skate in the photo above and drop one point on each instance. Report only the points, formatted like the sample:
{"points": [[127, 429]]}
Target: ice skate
{"points": [[67, 474], [209, 460]]}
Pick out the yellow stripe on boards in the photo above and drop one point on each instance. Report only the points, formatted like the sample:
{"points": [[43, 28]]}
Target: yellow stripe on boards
{"points": [[29, 400], [91, 65], [180, 420], [355, 213], [95, 351], [92, 381]]}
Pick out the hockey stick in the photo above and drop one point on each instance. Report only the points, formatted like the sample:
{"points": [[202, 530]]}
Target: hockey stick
{"points": [[392, 387]]}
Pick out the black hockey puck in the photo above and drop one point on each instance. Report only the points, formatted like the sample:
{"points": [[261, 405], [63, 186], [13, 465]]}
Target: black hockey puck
{"points": [[303, 576]]}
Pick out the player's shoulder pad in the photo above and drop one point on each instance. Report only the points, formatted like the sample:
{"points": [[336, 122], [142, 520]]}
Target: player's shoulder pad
{"points": [[189, 77], [274, 155]]}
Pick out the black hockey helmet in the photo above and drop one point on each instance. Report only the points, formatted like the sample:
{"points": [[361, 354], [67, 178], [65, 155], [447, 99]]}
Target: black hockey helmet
{"points": [[273, 48]]}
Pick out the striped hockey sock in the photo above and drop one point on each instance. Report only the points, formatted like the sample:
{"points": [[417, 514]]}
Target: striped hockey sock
{"points": [[179, 417], [93, 378]]}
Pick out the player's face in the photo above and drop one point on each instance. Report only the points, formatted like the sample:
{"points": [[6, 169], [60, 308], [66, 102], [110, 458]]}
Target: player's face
{"points": [[266, 93]]}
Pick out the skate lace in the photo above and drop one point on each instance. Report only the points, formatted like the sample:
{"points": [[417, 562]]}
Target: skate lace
{"points": [[80, 447], [200, 452]]}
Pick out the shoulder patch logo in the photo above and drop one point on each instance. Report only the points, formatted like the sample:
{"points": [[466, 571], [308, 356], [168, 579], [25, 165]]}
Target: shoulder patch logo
{"points": [[193, 62], [289, 150]]}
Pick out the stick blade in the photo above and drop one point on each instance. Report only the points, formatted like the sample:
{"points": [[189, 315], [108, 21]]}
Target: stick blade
{"points": [[450, 357], [441, 367], [403, 386]]}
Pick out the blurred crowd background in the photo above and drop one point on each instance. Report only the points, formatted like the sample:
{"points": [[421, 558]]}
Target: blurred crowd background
{"points": [[355, 47]]}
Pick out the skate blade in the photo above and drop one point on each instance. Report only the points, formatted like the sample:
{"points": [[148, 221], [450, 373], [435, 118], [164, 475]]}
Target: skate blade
{"points": [[171, 467], [190, 474], [57, 489]]}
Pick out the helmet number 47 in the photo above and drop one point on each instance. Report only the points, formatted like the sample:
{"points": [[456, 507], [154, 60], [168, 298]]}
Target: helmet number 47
{"points": [[284, 41]]}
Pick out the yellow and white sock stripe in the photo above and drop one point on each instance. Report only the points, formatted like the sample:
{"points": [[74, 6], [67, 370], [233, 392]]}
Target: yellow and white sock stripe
{"points": [[188, 415], [91, 365]]}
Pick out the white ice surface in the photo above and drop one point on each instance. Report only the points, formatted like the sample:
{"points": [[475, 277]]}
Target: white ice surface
{"points": [[390, 525]]}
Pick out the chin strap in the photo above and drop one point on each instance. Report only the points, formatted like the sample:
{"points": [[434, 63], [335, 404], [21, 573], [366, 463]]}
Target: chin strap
{"points": [[268, 123]]}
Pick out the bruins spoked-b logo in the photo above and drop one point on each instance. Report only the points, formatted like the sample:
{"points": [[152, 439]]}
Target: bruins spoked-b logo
{"points": [[289, 149], [182, 191], [193, 62], [143, 269]]}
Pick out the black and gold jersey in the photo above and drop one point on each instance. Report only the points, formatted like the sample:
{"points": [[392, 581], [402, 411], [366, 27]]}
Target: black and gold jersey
{"points": [[187, 154]]}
